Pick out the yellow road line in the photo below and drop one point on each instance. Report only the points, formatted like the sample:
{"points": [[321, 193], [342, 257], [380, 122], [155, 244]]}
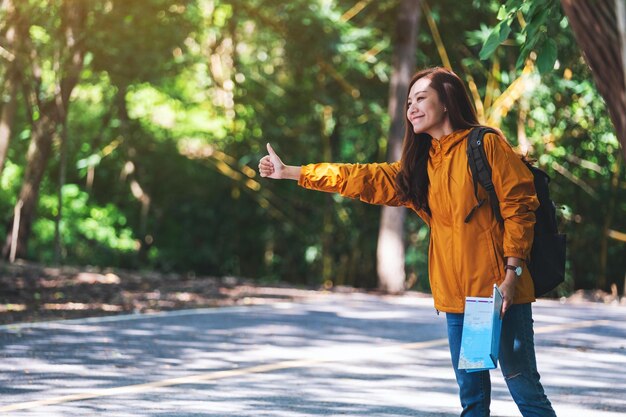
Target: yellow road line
{"points": [[139, 388], [423, 345], [299, 363]]}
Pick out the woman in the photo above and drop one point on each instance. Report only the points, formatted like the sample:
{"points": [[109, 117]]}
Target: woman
{"points": [[465, 259]]}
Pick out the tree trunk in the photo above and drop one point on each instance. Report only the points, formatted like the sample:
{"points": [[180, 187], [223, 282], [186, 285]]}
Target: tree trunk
{"points": [[328, 228], [599, 28], [52, 113], [36, 162], [7, 116], [11, 84], [620, 12], [58, 241], [390, 250], [131, 173], [602, 282]]}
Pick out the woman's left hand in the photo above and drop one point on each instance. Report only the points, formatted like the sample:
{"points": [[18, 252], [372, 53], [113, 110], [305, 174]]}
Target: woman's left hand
{"points": [[507, 288]]}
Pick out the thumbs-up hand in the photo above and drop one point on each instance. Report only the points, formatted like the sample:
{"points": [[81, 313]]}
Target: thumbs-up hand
{"points": [[271, 166]]}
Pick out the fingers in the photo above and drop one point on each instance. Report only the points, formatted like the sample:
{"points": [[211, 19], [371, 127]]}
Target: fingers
{"points": [[271, 150], [270, 164], [266, 163], [506, 304], [266, 172], [266, 167]]}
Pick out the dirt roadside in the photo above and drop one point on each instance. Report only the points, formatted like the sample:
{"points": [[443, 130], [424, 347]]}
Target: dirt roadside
{"points": [[31, 292]]}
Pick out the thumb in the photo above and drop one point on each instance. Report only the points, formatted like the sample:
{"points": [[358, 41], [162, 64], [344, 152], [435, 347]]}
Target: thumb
{"points": [[271, 150]]}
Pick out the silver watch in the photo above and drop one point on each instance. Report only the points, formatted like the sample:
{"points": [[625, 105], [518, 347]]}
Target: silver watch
{"points": [[516, 269]]}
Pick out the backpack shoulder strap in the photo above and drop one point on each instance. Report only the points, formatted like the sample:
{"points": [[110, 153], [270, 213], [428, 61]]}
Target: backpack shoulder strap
{"points": [[481, 171]]}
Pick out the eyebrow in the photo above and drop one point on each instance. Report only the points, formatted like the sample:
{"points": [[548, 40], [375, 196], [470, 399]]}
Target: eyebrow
{"points": [[417, 92]]}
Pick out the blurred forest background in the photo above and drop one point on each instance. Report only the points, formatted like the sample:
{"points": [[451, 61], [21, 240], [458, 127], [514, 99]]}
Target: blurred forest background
{"points": [[131, 131]]}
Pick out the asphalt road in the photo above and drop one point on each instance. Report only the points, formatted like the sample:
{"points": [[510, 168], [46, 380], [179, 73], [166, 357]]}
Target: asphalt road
{"points": [[335, 355]]}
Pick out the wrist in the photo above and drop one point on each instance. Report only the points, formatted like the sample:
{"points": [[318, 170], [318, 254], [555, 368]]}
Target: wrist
{"points": [[510, 276], [515, 270], [291, 172], [512, 260]]}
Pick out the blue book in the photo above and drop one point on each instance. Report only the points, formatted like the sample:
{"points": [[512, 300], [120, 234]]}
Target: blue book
{"points": [[482, 325]]}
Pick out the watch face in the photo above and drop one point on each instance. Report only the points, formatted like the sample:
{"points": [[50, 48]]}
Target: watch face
{"points": [[518, 271]]}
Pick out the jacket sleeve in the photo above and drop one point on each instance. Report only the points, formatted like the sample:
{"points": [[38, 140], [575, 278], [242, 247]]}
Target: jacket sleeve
{"points": [[514, 186], [371, 183]]}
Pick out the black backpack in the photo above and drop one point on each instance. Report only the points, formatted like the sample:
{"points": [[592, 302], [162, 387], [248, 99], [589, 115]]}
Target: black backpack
{"points": [[547, 256]]}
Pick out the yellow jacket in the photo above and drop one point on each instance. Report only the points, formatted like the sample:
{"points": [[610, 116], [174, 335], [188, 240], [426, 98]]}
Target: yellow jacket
{"points": [[464, 259]]}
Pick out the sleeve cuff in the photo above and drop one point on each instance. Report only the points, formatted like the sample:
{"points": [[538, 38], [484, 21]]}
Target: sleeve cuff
{"points": [[516, 254], [302, 176]]}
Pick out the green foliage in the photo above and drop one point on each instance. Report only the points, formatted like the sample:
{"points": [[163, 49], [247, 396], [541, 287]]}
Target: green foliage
{"points": [[177, 100], [137, 41], [534, 21], [584, 162], [498, 35], [91, 234], [9, 188]]}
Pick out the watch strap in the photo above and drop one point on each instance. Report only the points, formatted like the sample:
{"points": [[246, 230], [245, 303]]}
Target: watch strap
{"points": [[514, 269]]}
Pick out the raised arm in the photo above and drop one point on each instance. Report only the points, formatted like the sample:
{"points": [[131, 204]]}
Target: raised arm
{"points": [[371, 183]]}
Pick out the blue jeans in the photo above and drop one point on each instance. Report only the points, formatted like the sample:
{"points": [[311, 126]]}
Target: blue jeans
{"points": [[517, 361]]}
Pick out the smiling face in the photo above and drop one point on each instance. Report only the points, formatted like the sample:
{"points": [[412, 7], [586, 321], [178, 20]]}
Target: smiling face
{"points": [[426, 112]]}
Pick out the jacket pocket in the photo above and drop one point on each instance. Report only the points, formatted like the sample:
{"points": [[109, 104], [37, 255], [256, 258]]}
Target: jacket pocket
{"points": [[497, 260]]}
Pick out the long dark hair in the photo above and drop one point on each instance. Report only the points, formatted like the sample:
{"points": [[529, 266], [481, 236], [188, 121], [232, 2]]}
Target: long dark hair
{"points": [[412, 179]]}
